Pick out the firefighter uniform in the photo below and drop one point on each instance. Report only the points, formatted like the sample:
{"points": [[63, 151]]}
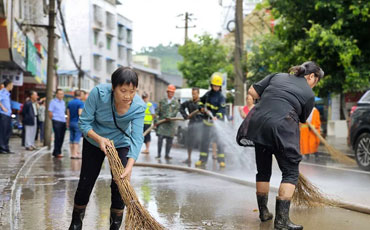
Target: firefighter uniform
{"points": [[214, 104]]}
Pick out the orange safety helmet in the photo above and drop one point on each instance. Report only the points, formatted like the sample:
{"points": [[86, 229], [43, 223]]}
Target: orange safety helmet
{"points": [[171, 88]]}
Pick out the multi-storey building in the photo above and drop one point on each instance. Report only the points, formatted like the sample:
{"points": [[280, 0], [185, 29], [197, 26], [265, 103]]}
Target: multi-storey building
{"points": [[99, 36]]}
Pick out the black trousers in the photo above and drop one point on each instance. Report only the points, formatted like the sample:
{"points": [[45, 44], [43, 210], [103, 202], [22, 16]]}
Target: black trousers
{"points": [[5, 132], [59, 133], [193, 134], [92, 160], [169, 141], [207, 133], [290, 170], [147, 137]]}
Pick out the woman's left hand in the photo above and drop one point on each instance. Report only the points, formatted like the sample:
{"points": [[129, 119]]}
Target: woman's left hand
{"points": [[128, 169], [127, 173]]}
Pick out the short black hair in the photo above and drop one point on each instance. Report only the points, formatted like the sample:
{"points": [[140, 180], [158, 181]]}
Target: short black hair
{"points": [[58, 91], [31, 93], [195, 89], [77, 93], [124, 76], [7, 82]]}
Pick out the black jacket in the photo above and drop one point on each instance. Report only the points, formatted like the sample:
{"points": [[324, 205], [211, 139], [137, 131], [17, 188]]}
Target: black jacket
{"points": [[191, 106], [28, 114], [215, 103]]}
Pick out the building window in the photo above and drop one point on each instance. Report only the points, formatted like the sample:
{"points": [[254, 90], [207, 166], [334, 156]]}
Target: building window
{"points": [[98, 15], [110, 66], [62, 81], [129, 56], [129, 36], [97, 62], [109, 41], [121, 32], [110, 20], [96, 36], [121, 52]]}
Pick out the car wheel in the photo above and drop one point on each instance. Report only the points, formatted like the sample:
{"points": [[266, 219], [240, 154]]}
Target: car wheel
{"points": [[362, 151]]}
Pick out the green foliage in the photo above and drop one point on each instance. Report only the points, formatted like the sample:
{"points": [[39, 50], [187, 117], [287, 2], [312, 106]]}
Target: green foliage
{"points": [[201, 59], [168, 54], [332, 33]]}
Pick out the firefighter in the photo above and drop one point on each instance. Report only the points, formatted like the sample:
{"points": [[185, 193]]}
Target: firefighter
{"points": [[212, 106], [193, 133], [148, 120]]}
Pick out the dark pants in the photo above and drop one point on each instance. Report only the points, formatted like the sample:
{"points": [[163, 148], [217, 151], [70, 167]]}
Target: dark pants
{"points": [[92, 160], [168, 145], [193, 134], [41, 129], [290, 170], [147, 137], [5, 132], [206, 140], [59, 132]]}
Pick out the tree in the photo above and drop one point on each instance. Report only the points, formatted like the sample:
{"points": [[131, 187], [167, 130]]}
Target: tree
{"points": [[201, 59], [168, 54], [332, 33]]}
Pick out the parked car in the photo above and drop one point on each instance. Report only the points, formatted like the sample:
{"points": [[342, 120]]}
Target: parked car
{"points": [[360, 131]]}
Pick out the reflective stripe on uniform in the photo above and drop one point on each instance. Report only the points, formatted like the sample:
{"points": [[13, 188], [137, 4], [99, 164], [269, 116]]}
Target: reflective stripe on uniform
{"points": [[207, 123], [221, 155], [148, 119], [220, 115], [212, 106], [203, 154]]}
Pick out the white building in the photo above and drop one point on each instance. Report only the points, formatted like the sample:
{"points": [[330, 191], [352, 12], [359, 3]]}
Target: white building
{"points": [[97, 33]]}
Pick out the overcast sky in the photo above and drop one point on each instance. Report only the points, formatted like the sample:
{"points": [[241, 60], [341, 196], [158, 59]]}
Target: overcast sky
{"points": [[155, 21]]}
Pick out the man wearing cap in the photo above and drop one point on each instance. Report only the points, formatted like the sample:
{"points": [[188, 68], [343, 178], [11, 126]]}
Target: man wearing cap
{"points": [[167, 108]]}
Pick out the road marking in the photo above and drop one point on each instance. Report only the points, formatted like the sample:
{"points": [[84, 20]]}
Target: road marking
{"points": [[337, 168]]}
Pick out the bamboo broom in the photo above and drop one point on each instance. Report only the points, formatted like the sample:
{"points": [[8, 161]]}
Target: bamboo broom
{"points": [[334, 153], [169, 120], [137, 217]]}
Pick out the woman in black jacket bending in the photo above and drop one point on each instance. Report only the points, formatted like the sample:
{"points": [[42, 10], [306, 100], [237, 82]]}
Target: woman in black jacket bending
{"points": [[285, 100]]}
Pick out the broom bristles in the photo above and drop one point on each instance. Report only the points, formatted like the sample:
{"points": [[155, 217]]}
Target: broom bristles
{"points": [[308, 195], [137, 217]]}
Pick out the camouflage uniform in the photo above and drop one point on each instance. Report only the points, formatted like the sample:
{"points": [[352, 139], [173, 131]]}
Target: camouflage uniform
{"points": [[166, 130]]}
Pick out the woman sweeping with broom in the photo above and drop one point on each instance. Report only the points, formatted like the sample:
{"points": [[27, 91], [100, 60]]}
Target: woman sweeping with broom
{"points": [[112, 112], [273, 126]]}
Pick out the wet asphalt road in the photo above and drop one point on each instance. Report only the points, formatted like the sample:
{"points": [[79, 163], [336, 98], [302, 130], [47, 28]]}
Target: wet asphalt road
{"points": [[179, 200]]}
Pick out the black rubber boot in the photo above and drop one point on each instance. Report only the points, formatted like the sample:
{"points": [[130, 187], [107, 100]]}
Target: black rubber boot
{"points": [[77, 217], [282, 220], [116, 216], [262, 199]]}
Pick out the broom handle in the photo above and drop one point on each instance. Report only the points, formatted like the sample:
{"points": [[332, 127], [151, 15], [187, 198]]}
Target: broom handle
{"points": [[316, 133], [170, 119]]}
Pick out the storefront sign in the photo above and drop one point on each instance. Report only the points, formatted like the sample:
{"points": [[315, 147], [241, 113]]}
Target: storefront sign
{"points": [[19, 47], [15, 76], [31, 57]]}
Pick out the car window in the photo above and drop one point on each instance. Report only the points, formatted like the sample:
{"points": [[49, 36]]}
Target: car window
{"points": [[366, 97]]}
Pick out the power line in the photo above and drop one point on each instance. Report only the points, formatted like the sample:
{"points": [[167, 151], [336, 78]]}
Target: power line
{"points": [[186, 27]]}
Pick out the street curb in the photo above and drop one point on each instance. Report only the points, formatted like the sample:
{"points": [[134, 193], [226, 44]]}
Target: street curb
{"points": [[344, 205], [32, 158]]}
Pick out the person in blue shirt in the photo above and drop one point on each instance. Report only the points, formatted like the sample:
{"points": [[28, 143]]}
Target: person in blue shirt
{"points": [[74, 110], [112, 112], [5, 116], [57, 114]]}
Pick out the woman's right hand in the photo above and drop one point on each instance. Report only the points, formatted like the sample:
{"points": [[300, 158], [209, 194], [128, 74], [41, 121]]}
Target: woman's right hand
{"points": [[103, 143]]}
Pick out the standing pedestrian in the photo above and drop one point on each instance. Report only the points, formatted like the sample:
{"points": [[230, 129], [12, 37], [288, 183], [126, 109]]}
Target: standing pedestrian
{"points": [[309, 142], [41, 114], [193, 133], [29, 115], [245, 110], [5, 116], [57, 110], [148, 120], [168, 107], [112, 112], [273, 126], [74, 110], [212, 105], [84, 95]]}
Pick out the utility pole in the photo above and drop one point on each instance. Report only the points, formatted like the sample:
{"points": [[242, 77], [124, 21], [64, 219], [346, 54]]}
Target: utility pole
{"points": [[238, 55], [80, 74], [186, 27], [50, 72]]}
